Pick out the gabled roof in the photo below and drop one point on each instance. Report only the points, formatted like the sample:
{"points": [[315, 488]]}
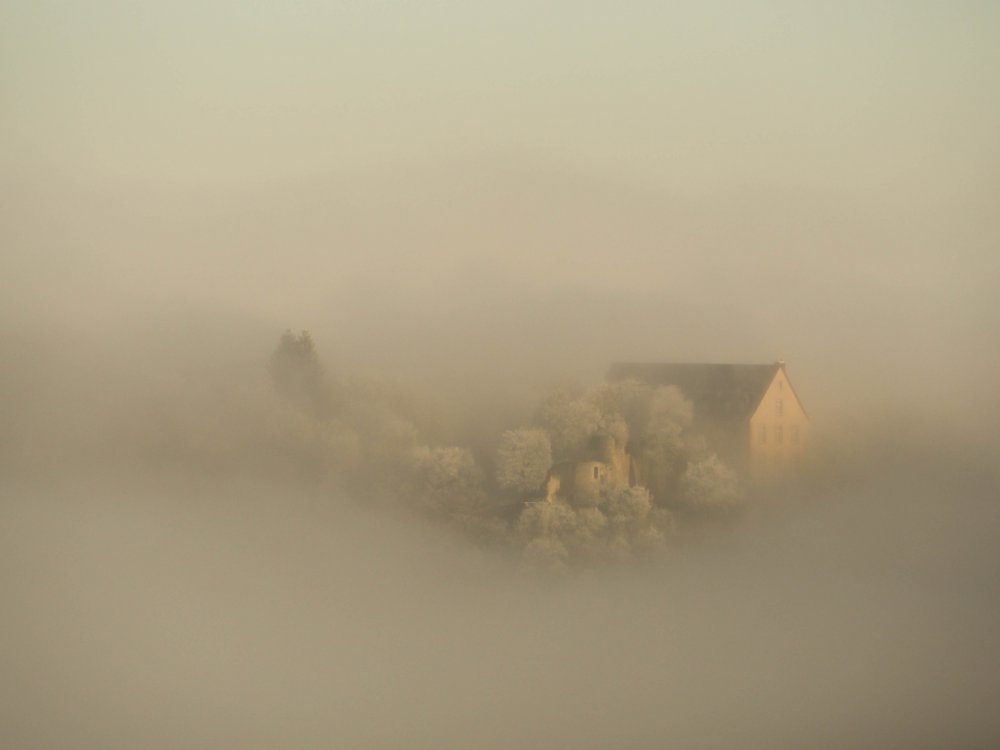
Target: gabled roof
{"points": [[720, 393]]}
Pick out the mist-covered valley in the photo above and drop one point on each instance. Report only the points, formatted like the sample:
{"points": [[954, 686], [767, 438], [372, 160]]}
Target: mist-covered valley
{"points": [[305, 307], [192, 557], [168, 609]]}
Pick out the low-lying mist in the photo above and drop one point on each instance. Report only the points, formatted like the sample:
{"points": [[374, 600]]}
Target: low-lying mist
{"points": [[308, 432], [167, 611], [170, 581], [193, 559]]}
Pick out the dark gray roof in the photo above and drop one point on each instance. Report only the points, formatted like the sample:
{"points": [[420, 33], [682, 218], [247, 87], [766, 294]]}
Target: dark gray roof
{"points": [[720, 393]]}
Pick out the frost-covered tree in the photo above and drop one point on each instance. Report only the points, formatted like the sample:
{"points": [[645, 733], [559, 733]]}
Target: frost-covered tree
{"points": [[570, 419], [663, 458], [444, 478], [624, 526], [558, 536], [628, 400], [709, 484], [524, 458], [666, 447], [635, 526]]}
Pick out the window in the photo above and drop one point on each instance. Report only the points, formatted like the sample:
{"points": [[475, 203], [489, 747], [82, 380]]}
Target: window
{"points": [[762, 434], [781, 384], [779, 434], [779, 408], [597, 472], [795, 433]]}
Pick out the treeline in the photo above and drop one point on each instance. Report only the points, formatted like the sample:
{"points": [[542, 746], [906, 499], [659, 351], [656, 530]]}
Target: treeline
{"points": [[381, 443]]}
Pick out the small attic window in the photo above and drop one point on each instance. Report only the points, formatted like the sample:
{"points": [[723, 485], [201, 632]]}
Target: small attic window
{"points": [[597, 472], [781, 384], [779, 407]]}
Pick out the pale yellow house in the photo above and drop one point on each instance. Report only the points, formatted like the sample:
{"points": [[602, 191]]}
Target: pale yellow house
{"points": [[779, 427], [749, 413]]}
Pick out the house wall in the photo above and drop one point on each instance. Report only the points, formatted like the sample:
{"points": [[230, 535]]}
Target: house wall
{"points": [[581, 482], [619, 465], [779, 429], [587, 486]]}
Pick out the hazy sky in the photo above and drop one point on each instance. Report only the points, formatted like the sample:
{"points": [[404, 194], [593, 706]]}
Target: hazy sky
{"points": [[497, 183], [889, 96]]}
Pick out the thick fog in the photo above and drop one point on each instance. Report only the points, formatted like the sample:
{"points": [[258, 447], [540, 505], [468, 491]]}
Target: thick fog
{"points": [[217, 534], [224, 615]]}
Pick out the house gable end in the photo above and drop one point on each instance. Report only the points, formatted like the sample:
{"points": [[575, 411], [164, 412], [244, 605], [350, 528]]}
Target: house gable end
{"points": [[778, 429], [780, 388]]}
